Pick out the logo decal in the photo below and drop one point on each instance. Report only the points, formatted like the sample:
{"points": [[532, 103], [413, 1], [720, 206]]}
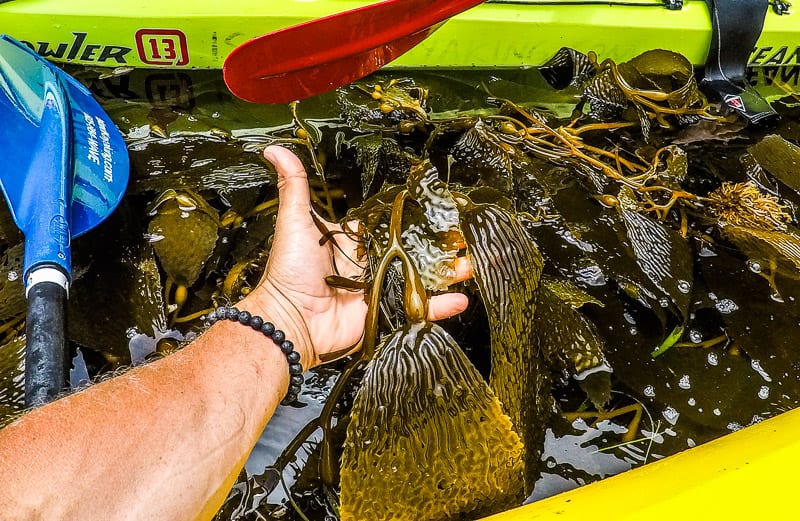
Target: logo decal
{"points": [[734, 102], [162, 47]]}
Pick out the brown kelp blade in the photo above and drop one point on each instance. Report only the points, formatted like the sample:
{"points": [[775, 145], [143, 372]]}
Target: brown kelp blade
{"points": [[571, 343], [427, 438], [662, 254], [508, 267]]}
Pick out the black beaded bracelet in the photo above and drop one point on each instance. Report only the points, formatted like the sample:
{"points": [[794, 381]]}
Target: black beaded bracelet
{"points": [[268, 329]]}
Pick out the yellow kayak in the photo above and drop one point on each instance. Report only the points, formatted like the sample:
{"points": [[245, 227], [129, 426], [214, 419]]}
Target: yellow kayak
{"points": [[747, 475]]}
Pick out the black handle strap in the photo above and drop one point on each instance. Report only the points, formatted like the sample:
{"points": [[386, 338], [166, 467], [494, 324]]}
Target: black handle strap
{"points": [[736, 26]]}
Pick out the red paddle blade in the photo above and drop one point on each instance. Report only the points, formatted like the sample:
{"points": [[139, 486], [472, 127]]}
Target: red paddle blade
{"points": [[323, 54]]}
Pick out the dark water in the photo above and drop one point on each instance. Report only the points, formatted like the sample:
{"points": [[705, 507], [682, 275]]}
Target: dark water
{"points": [[185, 130]]}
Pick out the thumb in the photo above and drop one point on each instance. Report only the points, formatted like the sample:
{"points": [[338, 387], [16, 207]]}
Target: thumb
{"points": [[293, 189]]}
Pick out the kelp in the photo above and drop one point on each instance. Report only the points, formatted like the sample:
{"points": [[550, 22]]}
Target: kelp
{"points": [[448, 448], [12, 368], [780, 158], [571, 344], [375, 154], [426, 435], [508, 268], [642, 218], [183, 232], [12, 292], [660, 252]]}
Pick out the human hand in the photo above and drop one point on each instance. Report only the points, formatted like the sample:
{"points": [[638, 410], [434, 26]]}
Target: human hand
{"points": [[321, 321]]}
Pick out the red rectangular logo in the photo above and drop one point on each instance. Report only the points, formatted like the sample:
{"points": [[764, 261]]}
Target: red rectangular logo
{"points": [[162, 47]]}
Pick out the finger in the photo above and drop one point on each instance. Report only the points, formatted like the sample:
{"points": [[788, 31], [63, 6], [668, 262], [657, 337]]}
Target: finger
{"points": [[462, 269], [293, 191], [447, 305]]}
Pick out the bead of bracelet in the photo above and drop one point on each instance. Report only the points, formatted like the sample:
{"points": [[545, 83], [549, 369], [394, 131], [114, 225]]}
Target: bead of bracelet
{"points": [[276, 335]]}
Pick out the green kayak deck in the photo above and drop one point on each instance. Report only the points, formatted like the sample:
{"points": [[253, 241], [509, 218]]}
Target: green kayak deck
{"points": [[506, 33]]}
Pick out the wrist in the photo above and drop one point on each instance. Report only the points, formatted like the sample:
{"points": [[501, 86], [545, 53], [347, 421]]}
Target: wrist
{"points": [[269, 303], [266, 328]]}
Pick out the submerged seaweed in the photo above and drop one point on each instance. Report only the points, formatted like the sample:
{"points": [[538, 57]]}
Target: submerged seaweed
{"points": [[603, 220]]}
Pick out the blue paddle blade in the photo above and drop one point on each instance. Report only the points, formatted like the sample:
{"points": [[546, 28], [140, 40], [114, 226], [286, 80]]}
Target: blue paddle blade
{"points": [[100, 164], [35, 142], [99, 167]]}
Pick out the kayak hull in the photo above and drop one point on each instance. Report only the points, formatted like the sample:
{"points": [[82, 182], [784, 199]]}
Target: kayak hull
{"points": [[200, 33]]}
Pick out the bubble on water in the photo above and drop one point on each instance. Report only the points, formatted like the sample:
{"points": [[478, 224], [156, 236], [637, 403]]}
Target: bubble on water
{"points": [[717, 412], [705, 251], [775, 296], [713, 359], [695, 336], [726, 306], [692, 402], [763, 392], [12, 276], [663, 302], [684, 286], [690, 443], [215, 115], [684, 382], [756, 365], [649, 391], [153, 237], [185, 215], [633, 331], [671, 415], [734, 426], [754, 266]]}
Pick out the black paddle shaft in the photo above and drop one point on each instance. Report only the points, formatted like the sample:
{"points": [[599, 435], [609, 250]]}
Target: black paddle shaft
{"points": [[45, 360]]}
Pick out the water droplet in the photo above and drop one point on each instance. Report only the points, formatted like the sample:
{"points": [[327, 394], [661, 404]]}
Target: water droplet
{"points": [[215, 115], [754, 266], [763, 393], [695, 336], [671, 415], [649, 391], [713, 359], [726, 306], [684, 382], [12, 276], [684, 286]]}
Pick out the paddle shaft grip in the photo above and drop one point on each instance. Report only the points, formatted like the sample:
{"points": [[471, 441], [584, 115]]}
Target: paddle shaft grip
{"points": [[45, 352]]}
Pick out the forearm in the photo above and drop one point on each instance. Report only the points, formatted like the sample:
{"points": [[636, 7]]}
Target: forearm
{"points": [[163, 441]]}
